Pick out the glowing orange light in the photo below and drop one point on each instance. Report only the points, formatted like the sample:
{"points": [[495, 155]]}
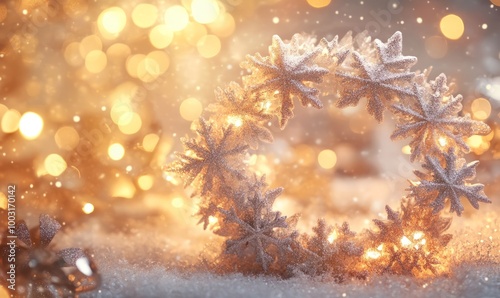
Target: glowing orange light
{"points": [[333, 235], [235, 120]]}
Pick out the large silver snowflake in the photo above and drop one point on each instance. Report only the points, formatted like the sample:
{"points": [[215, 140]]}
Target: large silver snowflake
{"points": [[378, 79], [208, 158], [257, 227], [448, 182], [284, 73], [245, 111], [432, 121]]}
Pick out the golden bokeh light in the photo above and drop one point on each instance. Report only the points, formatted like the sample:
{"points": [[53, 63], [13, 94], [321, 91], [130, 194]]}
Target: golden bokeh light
{"points": [[193, 32], [54, 164], [116, 151], [223, 26], [144, 15], [96, 61], [67, 138], [30, 125], [436, 46], [130, 123], [319, 3], [72, 54], [111, 22], [145, 182], [88, 208], [208, 46], [123, 188], [118, 51], [150, 141], [176, 18], [481, 108], [327, 159], [177, 202], [10, 121], [442, 141], [205, 11], [452, 26], [190, 109], [406, 149], [88, 44], [160, 36], [333, 236], [372, 254]]}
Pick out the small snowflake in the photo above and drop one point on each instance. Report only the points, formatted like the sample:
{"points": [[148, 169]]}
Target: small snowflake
{"points": [[378, 81], [208, 159], [449, 182], [257, 228], [285, 73], [410, 241], [245, 111], [330, 250], [433, 122]]}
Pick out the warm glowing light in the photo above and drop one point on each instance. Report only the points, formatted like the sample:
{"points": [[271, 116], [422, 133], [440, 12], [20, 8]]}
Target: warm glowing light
{"points": [[10, 121], [380, 247], [212, 220], [88, 44], [266, 105], [116, 151], [327, 159], [205, 11], [144, 15], [223, 26], [149, 142], [235, 120], [111, 22], [452, 26], [30, 125], [145, 182], [177, 202], [130, 123], [319, 3], [96, 61], [372, 254], [406, 149], [208, 46], [123, 188], [333, 236], [481, 108], [160, 36], [405, 241], [88, 208], [418, 235], [442, 141], [54, 164], [475, 141], [190, 109], [176, 18], [419, 20], [67, 138]]}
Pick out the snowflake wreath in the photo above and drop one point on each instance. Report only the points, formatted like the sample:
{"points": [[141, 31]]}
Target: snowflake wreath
{"points": [[260, 240]]}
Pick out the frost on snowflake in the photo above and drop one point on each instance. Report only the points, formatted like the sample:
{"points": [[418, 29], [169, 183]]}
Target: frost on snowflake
{"points": [[432, 121], [253, 229], [245, 111], [379, 80], [208, 159], [285, 73], [448, 182]]}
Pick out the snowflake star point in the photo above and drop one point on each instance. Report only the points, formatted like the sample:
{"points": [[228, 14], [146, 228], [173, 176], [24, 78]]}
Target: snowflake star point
{"points": [[209, 160], [286, 73], [449, 182]]}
